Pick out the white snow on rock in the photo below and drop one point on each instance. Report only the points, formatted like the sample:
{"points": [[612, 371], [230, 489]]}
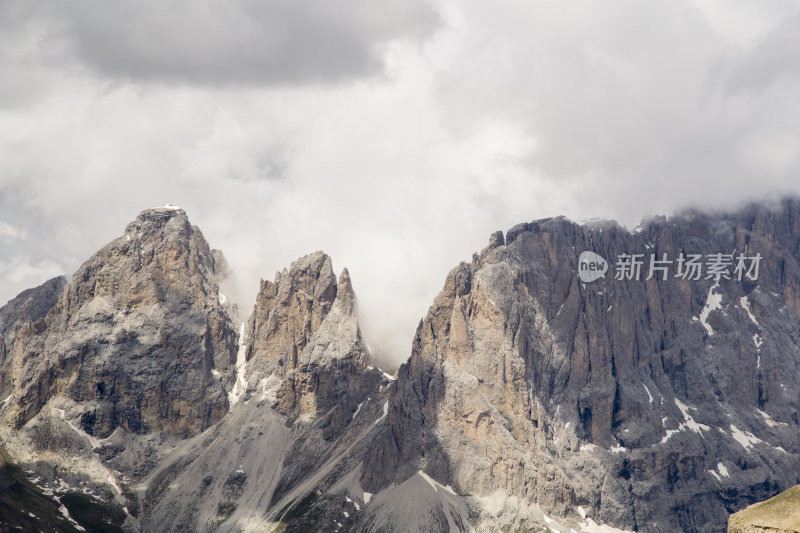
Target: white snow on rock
{"points": [[746, 439], [713, 302], [550, 524], [357, 411], [745, 303], [436, 486], [688, 423], [64, 511], [768, 419], [385, 412], [240, 386], [619, 448], [720, 472], [590, 526], [650, 396]]}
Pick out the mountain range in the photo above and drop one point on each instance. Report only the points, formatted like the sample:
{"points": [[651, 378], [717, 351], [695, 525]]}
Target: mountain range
{"points": [[661, 394]]}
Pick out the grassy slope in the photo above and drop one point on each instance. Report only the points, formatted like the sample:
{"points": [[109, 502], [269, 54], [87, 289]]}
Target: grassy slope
{"points": [[778, 514]]}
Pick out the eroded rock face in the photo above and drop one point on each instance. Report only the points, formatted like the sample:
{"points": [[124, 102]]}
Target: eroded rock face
{"points": [[304, 412], [304, 331], [139, 337], [29, 306], [287, 313], [643, 402]]}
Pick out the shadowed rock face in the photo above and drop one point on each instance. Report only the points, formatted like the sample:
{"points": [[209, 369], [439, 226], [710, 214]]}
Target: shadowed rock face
{"points": [[135, 336], [642, 401], [29, 306]]}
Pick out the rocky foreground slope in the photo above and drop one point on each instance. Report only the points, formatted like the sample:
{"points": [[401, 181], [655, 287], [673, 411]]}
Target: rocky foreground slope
{"points": [[531, 400]]}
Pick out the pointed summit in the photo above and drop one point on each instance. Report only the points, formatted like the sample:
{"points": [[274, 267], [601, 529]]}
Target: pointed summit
{"points": [[138, 339]]}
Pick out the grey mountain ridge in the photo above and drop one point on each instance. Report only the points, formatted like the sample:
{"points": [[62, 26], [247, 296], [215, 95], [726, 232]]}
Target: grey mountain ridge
{"points": [[530, 399]]}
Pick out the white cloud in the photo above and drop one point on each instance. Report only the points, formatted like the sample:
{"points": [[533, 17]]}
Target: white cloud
{"points": [[9, 233], [507, 113]]}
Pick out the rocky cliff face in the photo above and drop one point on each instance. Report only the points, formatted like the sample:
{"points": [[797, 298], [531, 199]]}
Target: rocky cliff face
{"points": [[651, 405], [531, 399], [304, 410], [139, 339], [29, 306]]}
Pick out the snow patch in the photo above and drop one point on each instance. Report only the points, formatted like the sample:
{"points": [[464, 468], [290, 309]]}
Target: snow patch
{"points": [[619, 448], [170, 207], [758, 341], [722, 470], [768, 419], [367, 497], [649, 396], [590, 526], [385, 412], [436, 486], [268, 387], [357, 410], [745, 303], [240, 386], [549, 521], [746, 439], [222, 298], [713, 302], [64, 511], [688, 422]]}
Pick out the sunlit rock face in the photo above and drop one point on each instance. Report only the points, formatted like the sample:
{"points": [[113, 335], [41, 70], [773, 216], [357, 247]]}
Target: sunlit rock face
{"points": [[139, 337], [536, 395], [652, 404]]}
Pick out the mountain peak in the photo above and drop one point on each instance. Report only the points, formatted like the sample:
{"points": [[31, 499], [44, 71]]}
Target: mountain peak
{"points": [[158, 219], [155, 292]]}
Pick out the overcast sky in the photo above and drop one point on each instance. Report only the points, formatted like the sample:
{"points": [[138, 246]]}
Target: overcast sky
{"points": [[394, 135]]}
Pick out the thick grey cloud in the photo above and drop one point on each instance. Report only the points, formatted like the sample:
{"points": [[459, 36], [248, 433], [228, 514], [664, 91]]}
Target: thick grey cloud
{"points": [[773, 60], [235, 41], [507, 112]]}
